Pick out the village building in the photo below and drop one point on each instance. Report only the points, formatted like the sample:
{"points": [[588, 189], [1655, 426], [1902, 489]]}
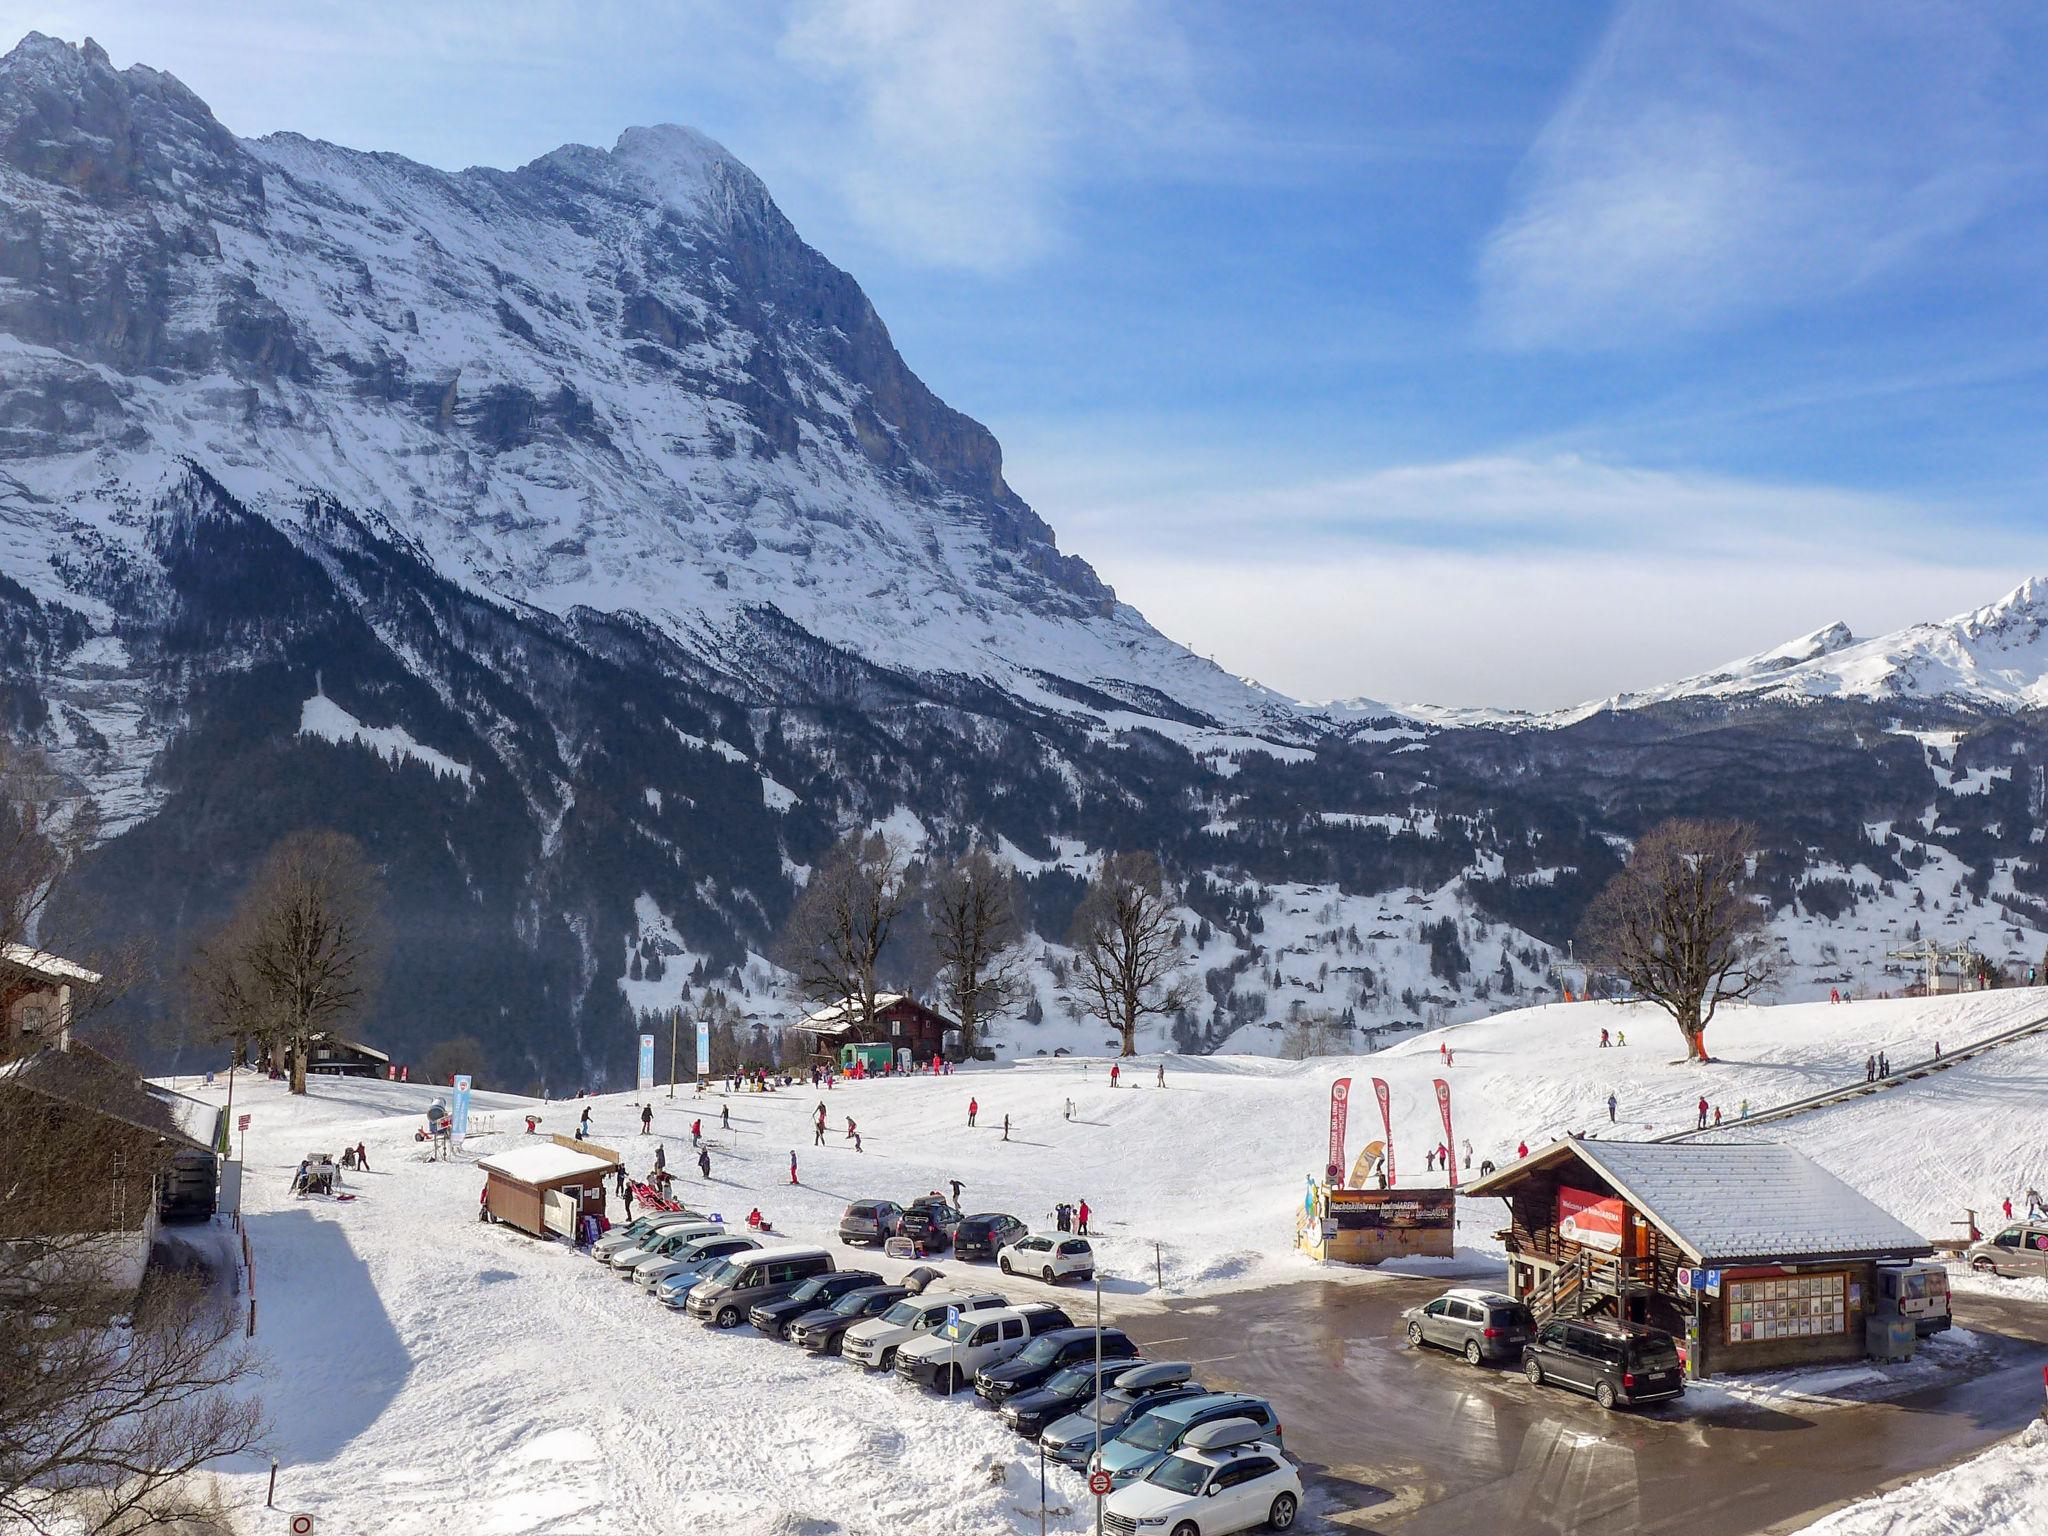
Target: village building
{"points": [[899, 1023], [1785, 1256], [336, 1057], [35, 998], [547, 1187]]}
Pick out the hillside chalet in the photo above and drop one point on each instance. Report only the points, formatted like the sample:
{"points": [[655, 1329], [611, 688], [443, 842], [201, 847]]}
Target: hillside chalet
{"points": [[35, 999], [900, 1022], [1604, 1227]]}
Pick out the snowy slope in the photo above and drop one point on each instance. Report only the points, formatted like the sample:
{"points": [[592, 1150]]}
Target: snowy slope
{"points": [[440, 1370]]}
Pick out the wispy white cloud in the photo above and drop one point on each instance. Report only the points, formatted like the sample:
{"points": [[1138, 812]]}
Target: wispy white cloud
{"points": [[968, 123], [1712, 160]]}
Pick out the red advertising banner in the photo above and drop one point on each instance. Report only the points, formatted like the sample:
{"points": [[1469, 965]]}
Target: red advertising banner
{"points": [[1591, 1220], [1379, 1089], [1443, 1102], [1340, 1107]]}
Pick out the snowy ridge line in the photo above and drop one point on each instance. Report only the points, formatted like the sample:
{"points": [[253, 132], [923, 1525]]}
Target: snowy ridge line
{"points": [[1911, 1072]]}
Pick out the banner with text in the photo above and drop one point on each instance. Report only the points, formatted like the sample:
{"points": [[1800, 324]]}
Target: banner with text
{"points": [[703, 1047], [647, 1061], [460, 1117], [1443, 1102], [1340, 1108], [1379, 1089], [1589, 1219]]}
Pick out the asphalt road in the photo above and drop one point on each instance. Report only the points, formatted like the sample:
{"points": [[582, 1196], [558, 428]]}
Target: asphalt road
{"points": [[1417, 1442]]}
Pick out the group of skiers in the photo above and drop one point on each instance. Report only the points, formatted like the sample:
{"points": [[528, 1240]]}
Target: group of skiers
{"points": [[1071, 1218], [1880, 1066], [1618, 1038], [818, 1136]]}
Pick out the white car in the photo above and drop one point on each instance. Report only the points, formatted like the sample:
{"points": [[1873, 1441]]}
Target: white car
{"points": [[640, 1230], [872, 1345], [692, 1258], [947, 1358], [1222, 1479], [659, 1248], [1052, 1257]]}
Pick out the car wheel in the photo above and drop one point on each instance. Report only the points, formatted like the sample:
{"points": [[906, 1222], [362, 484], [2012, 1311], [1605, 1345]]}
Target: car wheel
{"points": [[1604, 1395], [1004, 1265], [1533, 1369], [955, 1379], [1982, 1266], [728, 1317], [1415, 1335], [1050, 1277], [1187, 1528], [888, 1359], [1281, 1516], [1471, 1351]]}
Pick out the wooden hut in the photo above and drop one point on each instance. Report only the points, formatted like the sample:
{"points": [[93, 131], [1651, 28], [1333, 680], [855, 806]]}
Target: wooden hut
{"points": [[546, 1187], [1783, 1254]]}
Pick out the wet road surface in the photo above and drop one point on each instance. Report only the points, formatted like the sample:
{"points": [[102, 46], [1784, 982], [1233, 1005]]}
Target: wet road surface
{"points": [[1419, 1443]]}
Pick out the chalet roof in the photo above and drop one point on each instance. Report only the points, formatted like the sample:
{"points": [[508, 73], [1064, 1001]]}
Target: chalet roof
{"points": [[543, 1162], [80, 1076], [23, 957], [1731, 1201], [844, 1016], [359, 1048]]}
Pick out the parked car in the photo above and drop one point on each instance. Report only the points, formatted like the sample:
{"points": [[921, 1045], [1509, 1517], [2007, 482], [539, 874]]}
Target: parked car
{"points": [[673, 1289], [658, 1248], [2021, 1249], [928, 1222], [1619, 1363], [748, 1279], [1224, 1478], [873, 1345], [823, 1330], [1072, 1440], [1052, 1257], [639, 1230], [774, 1317], [693, 1258], [951, 1353], [1159, 1432], [1069, 1389], [870, 1221], [986, 1235], [1483, 1326], [1045, 1354]]}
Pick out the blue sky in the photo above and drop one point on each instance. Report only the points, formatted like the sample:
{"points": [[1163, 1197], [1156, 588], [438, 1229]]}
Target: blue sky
{"points": [[1471, 353]]}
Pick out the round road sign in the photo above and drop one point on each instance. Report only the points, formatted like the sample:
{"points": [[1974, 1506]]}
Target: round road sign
{"points": [[300, 1525], [1099, 1483]]}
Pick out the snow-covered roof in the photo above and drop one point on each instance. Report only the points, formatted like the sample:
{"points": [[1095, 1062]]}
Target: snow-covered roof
{"points": [[1743, 1200], [23, 957], [359, 1048], [840, 1017], [543, 1163]]}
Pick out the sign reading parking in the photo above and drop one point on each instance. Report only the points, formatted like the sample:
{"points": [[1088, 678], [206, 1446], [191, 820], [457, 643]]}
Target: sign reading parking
{"points": [[1099, 1483]]}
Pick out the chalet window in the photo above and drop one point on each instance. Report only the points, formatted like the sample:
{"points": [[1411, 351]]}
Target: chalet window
{"points": [[1789, 1307], [895, 1029], [33, 1020]]}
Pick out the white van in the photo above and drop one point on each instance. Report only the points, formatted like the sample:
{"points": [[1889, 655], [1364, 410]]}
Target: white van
{"points": [[950, 1354], [872, 1345]]}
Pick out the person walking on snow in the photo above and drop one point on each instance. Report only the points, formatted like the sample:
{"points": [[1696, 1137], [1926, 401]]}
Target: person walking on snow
{"points": [[955, 1183], [818, 1130], [1610, 1109], [626, 1194], [362, 1157], [792, 1165], [646, 1119], [2008, 1207], [1081, 1218], [1429, 1161], [1703, 1112], [1521, 1151], [1162, 1075], [1115, 1071], [973, 1109], [725, 1117], [851, 1134], [1603, 1039], [1870, 1068], [1717, 1114], [660, 1157], [696, 1133], [1068, 1111], [1006, 1127], [704, 1161], [1620, 1038]]}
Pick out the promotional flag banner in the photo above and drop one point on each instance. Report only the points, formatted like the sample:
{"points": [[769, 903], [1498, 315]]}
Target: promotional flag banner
{"points": [[646, 1061], [1443, 1102], [1340, 1108], [703, 1047], [1379, 1088], [460, 1127]]}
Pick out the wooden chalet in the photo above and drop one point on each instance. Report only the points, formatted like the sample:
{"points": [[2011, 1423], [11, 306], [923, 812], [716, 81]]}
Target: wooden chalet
{"points": [[35, 999], [547, 1187], [899, 1022], [1604, 1228]]}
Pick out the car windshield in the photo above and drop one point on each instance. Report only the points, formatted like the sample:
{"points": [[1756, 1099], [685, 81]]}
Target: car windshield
{"points": [[1075, 1378], [852, 1304], [727, 1271], [809, 1290], [1179, 1474], [957, 1329], [1040, 1351], [1154, 1432], [1654, 1354], [903, 1314]]}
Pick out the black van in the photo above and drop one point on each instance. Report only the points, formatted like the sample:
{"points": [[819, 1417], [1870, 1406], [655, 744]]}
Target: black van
{"points": [[188, 1187], [1617, 1362]]}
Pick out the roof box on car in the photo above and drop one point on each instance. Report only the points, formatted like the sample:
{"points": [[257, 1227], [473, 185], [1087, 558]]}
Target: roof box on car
{"points": [[1222, 1434]]}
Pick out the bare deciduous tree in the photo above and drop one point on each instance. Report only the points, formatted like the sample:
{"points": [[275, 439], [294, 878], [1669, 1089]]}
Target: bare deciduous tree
{"points": [[103, 1418], [1680, 925], [832, 945], [971, 907], [299, 956], [1128, 947]]}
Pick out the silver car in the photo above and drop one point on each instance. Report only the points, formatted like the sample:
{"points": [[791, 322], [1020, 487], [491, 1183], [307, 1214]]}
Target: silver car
{"points": [[1483, 1326], [2020, 1250]]}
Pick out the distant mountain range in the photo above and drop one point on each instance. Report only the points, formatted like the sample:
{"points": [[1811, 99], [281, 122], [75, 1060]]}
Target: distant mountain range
{"points": [[576, 537]]}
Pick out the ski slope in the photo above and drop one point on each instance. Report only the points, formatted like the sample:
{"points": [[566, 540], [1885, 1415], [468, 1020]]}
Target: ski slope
{"points": [[429, 1371]]}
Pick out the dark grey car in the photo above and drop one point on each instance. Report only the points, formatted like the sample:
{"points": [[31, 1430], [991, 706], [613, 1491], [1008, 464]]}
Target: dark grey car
{"points": [[1618, 1363], [1483, 1326]]}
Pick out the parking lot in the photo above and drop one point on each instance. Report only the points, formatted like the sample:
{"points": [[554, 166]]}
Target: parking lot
{"points": [[1417, 1442]]}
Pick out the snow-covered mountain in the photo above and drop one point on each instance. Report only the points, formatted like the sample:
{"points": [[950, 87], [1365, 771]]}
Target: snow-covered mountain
{"points": [[575, 537]]}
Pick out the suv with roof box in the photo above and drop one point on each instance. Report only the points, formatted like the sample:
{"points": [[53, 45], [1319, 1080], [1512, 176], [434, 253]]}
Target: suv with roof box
{"points": [[1222, 1479], [1618, 1363], [1160, 1431], [1483, 1326], [1071, 1440]]}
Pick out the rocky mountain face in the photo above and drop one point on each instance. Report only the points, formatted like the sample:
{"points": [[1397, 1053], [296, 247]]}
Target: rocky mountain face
{"points": [[576, 538]]}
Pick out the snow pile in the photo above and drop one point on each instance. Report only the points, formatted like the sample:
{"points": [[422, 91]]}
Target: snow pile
{"points": [[2003, 1492]]}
